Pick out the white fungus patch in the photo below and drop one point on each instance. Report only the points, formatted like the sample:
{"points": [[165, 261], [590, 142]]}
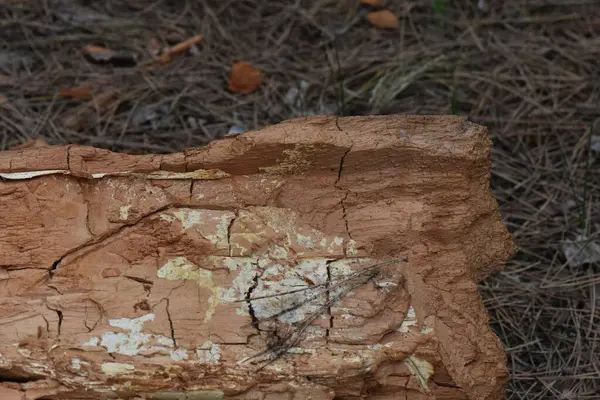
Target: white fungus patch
{"points": [[277, 279], [211, 224], [410, 319], [93, 341], [134, 341], [351, 248], [124, 212], [179, 355], [208, 353], [179, 268], [76, 364]]}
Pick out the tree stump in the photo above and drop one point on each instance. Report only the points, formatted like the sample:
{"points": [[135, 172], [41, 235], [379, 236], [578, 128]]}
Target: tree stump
{"points": [[318, 258]]}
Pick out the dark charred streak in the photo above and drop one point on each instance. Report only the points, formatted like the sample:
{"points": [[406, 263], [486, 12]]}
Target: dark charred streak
{"points": [[444, 384], [140, 280], [328, 298], [171, 324], [60, 321], [341, 168], [344, 216], [69, 158], [229, 233], [54, 267], [17, 377], [255, 320], [191, 189]]}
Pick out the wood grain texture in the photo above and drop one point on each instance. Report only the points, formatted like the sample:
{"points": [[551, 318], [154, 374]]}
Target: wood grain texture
{"points": [[124, 276]]}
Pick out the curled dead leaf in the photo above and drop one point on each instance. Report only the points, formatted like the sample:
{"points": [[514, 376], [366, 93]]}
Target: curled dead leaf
{"points": [[372, 3], [383, 19], [245, 78], [167, 56], [77, 93], [118, 58], [99, 53]]}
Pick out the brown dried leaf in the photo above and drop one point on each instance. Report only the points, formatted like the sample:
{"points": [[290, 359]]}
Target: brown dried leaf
{"points": [[372, 3], [102, 55], [99, 53], [383, 19], [3, 99], [179, 48], [77, 93], [245, 78]]}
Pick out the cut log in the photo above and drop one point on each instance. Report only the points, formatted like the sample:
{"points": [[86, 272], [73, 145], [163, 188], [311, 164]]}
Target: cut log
{"points": [[318, 258]]}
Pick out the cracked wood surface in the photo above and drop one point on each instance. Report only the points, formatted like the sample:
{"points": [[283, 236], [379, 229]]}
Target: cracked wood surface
{"points": [[158, 275]]}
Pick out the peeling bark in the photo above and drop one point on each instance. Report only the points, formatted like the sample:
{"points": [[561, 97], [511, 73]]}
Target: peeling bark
{"points": [[344, 252]]}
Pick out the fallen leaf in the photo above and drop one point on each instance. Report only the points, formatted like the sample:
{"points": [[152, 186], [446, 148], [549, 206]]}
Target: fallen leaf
{"points": [[102, 55], [77, 93], [3, 99], [245, 78], [372, 3], [383, 19], [180, 47], [31, 143], [99, 53]]}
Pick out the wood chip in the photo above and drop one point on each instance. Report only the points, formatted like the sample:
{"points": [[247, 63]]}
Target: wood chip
{"points": [[383, 19]]}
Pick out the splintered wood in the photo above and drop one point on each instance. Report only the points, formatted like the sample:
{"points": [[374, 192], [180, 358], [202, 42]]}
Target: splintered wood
{"points": [[318, 258]]}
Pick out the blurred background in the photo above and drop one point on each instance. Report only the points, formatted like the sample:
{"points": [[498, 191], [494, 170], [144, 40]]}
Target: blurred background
{"points": [[160, 76]]}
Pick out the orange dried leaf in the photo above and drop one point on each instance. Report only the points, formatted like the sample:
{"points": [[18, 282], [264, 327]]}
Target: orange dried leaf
{"points": [[372, 3], [383, 19], [179, 48], [99, 53], [77, 93], [245, 78]]}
